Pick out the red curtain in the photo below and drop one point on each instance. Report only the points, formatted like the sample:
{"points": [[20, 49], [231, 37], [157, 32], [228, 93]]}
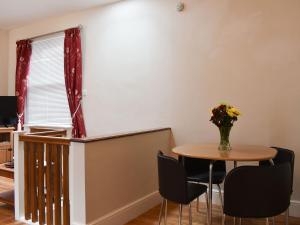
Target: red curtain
{"points": [[24, 50], [73, 79]]}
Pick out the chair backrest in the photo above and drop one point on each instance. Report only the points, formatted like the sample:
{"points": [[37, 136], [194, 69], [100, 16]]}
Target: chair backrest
{"points": [[257, 191], [172, 179], [283, 155], [195, 166]]}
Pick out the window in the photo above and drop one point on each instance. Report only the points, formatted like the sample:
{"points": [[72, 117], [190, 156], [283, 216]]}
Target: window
{"points": [[47, 102]]}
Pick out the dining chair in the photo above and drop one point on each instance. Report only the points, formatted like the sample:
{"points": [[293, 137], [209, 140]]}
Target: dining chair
{"points": [[173, 186], [198, 172], [283, 156], [257, 191]]}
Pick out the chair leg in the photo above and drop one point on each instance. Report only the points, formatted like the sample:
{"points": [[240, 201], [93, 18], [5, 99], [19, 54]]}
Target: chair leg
{"points": [[240, 221], [287, 217], [273, 220], [180, 214], [190, 214], [166, 211], [220, 195], [267, 221], [223, 219], [234, 220], [207, 207], [161, 211]]}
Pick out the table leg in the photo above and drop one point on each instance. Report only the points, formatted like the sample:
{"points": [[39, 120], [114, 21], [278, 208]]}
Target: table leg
{"points": [[234, 166], [272, 163], [210, 192]]}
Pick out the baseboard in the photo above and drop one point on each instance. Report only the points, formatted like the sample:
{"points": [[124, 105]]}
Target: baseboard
{"points": [[22, 220], [136, 208], [124, 214], [295, 208], [130, 211]]}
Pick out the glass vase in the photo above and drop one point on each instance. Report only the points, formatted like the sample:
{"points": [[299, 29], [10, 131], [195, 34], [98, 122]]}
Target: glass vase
{"points": [[224, 138]]}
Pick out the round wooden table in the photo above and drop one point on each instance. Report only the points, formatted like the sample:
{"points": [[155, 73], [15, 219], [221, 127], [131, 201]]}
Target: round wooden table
{"points": [[237, 153]]}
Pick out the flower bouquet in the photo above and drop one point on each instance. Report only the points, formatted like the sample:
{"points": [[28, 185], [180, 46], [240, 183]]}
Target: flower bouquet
{"points": [[223, 117]]}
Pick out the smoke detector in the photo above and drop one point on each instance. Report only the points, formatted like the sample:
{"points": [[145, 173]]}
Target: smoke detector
{"points": [[180, 6]]}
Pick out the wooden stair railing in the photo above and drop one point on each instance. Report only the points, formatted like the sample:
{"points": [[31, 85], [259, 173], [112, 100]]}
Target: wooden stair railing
{"points": [[46, 177]]}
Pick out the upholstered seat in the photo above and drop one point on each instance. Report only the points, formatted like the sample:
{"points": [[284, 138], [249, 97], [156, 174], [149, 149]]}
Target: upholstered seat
{"points": [[174, 186], [218, 177], [257, 191]]}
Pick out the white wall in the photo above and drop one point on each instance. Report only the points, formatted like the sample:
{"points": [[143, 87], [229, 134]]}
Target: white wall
{"points": [[3, 61], [147, 65]]}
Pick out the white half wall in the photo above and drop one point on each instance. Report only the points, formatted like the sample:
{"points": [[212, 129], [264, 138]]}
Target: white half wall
{"points": [[121, 176], [146, 65]]}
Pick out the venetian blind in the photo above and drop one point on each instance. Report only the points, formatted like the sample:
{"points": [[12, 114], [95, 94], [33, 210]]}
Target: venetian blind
{"points": [[47, 102]]}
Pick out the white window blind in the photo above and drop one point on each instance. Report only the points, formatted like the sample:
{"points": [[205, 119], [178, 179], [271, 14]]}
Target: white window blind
{"points": [[47, 102]]}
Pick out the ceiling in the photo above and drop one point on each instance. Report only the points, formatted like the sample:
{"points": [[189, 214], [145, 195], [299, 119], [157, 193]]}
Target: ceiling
{"points": [[14, 13]]}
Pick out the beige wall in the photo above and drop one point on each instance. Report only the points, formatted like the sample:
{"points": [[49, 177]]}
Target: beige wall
{"points": [[121, 171], [146, 65], [3, 61]]}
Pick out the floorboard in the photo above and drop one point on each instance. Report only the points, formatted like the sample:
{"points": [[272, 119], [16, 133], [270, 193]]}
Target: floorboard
{"points": [[7, 212], [150, 217]]}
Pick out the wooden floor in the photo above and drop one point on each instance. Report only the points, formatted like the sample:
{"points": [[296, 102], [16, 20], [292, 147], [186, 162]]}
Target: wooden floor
{"points": [[6, 212], [150, 217]]}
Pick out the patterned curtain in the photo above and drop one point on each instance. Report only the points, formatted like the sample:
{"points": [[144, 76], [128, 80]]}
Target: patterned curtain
{"points": [[73, 79], [24, 51]]}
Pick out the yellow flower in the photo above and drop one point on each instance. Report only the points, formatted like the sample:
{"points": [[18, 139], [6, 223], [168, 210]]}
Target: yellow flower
{"points": [[232, 112]]}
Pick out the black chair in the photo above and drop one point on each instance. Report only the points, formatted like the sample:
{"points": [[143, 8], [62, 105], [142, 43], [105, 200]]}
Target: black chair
{"points": [[198, 172], [173, 186], [257, 191], [283, 156]]}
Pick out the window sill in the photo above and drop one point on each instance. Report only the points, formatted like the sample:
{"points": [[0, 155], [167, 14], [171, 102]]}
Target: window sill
{"points": [[66, 126], [52, 126]]}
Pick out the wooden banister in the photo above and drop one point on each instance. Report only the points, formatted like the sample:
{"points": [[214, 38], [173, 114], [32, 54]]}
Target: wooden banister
{"points": [[45, 139], [46, 178], [118, 135]]}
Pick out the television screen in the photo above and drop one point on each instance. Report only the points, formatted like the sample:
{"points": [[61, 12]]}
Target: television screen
{"points": [[8, 111]]}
